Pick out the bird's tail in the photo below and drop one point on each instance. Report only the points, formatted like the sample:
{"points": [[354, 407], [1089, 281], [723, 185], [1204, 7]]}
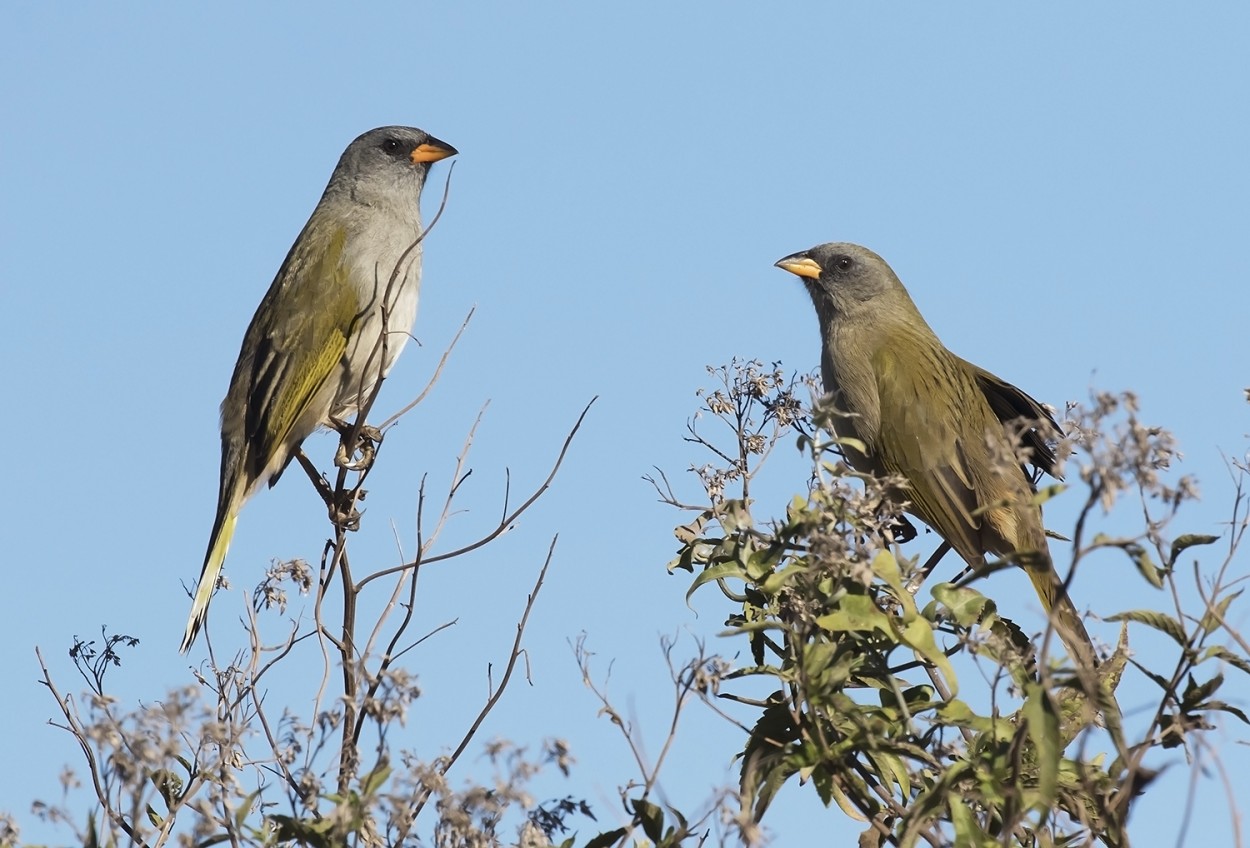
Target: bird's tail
{"points": [[1062, 612], [219, 543]]}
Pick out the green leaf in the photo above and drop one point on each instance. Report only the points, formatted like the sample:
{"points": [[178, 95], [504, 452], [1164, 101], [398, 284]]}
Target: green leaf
{"points": [[772, 585], [716, 572], [688, 533], [675, 835], [828, 667], [607, 839], [1196, 693], [756, 563], [735, 516], [919, 697], [956, 712], [764, 765], [968, 832], [1145, 565], [1214, 618], [93, 839], [290, 829], [822, 780], [885, 566], [375, 778], [1225, 708], [1011, 646], [965, 605], [844, 802], [796, 512], [168, 785], [1043, 727], [959, 714], [855, 613], [245, 809], [684, 560], [914, 698], [758, 626], [1046, 493], [891, 770], [773, 778], [1188, 540], [1222, 653], [1157, 620], [917, 634], [651, 817]]}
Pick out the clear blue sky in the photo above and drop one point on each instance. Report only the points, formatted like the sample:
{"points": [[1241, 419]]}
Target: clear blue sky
{"points": [[1065, 190]]}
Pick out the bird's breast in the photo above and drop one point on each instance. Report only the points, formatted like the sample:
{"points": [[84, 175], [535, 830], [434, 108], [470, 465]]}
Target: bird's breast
{"points": [[383, 265], [849, 375]]}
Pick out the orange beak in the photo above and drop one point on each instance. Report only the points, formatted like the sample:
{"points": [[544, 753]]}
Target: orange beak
{"points": [[800, 265], [432, 151]]}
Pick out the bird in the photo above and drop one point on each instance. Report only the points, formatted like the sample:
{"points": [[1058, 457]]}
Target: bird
{"points": [[331, 325], [916, 410]]}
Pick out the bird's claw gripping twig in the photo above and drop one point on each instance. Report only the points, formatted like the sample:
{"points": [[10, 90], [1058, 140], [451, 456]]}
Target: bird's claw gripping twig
{"points": [[343, 512], [360, 456]]}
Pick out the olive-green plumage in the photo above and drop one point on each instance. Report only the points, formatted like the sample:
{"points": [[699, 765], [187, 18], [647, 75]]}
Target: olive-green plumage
{"points": [[934, 419], [315, 345]]}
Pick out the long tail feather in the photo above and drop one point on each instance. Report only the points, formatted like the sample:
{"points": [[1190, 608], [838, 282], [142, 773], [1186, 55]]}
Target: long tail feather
{"points": [[216, 557], [1063, 613]]}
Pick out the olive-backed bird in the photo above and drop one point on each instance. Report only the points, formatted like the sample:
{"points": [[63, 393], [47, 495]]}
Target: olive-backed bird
{"points": [[332, 323], [941, 423]]}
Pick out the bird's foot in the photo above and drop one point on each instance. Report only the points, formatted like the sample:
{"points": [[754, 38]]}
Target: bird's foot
{"points": [[343, 512], [359, 460], [359, 456]]}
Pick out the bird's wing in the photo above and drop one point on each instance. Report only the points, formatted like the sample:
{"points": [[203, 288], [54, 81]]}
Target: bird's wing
{"points": [[921, 441], [1009, 403], [308, 315]]}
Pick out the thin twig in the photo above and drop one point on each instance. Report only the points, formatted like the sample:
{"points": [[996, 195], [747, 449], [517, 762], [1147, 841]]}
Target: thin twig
{"points": [[438, 370], [75, 728], [504, 525], [446, 763]]}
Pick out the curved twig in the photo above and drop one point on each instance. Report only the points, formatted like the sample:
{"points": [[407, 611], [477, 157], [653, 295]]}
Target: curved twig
{"points": [[438, 371], [445, 763], [506, 523]]}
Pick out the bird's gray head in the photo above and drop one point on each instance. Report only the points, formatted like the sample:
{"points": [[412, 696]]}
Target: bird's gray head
{"points": [[388, 165], [843, 272], [846, 279]]}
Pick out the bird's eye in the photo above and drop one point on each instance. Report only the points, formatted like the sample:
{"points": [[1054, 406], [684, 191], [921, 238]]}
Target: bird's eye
{"points": [[391, 145], [844, 263]]}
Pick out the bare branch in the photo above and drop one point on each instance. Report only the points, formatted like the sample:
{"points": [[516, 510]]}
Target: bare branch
{"points": [[438, 371], [447, 762], [506, 523]]}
